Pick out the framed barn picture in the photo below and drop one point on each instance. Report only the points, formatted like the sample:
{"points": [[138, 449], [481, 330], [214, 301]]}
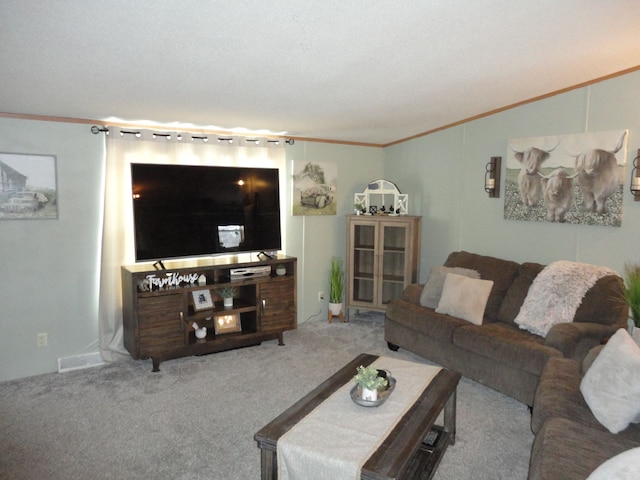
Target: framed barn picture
{"points": [[28, 187]]}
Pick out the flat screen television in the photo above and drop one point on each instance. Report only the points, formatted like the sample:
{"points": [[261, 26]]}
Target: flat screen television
{"points": [[186, 210]]}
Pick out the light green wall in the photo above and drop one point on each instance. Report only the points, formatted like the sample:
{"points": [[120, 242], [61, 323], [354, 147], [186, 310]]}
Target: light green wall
{"points": [[444, 172], [49, 268], [315, 239]]}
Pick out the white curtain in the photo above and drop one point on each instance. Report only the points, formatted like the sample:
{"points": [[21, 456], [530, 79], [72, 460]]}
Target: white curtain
{"points": [[117, 236]]}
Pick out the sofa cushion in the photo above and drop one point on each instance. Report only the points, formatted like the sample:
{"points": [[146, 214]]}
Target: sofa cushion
{"points": [[432, 290], [611, 386], [558, 395], [502, 272], [602, 303], [518, 291], [507, 344], [464, 297], [423, 320], [568, 450]]}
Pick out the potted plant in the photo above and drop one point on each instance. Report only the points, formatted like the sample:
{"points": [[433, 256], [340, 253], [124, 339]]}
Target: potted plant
{"points": [[281, 270], [227, 294], [631, 294], [336, 286], [370, 381]]}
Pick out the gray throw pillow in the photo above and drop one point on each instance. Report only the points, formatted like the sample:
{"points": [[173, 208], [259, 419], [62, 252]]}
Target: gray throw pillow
{"points": [[432, 290]]}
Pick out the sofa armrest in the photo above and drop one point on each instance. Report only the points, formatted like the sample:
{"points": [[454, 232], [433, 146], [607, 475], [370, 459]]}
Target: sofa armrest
{"points": [[575, 339], [412, 292]]}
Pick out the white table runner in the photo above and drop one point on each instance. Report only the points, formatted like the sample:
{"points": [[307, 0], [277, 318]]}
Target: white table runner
{"points": [[338, 436]]}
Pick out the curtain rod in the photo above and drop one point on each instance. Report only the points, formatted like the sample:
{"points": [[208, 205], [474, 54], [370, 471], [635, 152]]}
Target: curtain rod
{"points": [[253, 140]]}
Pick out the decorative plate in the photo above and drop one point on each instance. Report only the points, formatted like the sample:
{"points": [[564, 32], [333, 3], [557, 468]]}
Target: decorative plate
{"points": [[356, 394]]}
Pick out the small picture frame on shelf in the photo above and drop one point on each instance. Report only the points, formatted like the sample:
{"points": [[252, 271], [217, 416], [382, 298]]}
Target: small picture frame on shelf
{"points": [[227, 323], [202, 299]]}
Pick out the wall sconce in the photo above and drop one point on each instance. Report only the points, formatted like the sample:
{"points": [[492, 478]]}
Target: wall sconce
{"points": [[635, 179], [492, 177]]}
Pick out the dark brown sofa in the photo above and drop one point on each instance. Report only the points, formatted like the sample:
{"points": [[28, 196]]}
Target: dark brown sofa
{"points": [[569, 442], [498, 353]]}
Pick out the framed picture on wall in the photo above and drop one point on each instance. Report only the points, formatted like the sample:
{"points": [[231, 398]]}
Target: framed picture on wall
{"points": [[28, 187], [314, 188], [567, 179]]}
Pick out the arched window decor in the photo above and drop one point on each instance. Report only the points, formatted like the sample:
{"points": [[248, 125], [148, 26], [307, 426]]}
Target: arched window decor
{"points": [[381, 196]]}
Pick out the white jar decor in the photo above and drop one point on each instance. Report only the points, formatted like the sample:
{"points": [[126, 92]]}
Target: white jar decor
{"points": [[370, 394]]}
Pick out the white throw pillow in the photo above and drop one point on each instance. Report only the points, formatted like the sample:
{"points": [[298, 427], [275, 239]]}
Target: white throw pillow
{"points": [[624, 466], [611, 386], [464, 297], [432, 291]]}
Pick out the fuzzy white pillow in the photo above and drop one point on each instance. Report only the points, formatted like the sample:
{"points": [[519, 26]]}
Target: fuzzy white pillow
{"points": [[624, 466], [464, 297], [611, 386], [432, 291]]}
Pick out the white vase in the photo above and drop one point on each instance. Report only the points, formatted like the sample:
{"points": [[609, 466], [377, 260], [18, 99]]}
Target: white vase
{"points": [[370, 395], [228, 302], [281, 271], [335, 309]]}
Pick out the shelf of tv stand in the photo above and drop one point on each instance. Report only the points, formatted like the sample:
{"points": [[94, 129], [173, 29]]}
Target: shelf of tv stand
{"points": [[158, 323]]}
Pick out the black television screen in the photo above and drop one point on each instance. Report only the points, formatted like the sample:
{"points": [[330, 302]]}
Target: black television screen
{"points": [[186, 210]]}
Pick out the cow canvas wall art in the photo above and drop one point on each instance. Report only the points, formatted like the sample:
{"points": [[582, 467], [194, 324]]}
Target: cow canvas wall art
{"points": [[575, 179]]}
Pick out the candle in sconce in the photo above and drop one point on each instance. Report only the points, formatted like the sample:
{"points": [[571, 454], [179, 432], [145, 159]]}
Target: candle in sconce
{"points": [[635, 183], [490, 184]]}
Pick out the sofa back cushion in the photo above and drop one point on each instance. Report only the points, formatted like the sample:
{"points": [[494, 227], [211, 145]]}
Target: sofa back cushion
{"points": [[516, 294], [501, 272], [603, 303]]}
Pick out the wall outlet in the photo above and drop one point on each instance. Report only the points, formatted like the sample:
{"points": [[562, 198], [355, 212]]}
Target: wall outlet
{"points": [[320, 296], [42, 340]]}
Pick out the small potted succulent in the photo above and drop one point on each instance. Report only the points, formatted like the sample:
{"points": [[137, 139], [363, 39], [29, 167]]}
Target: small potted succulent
{"points": [[227, 294], [370, 381], [281, 270]]}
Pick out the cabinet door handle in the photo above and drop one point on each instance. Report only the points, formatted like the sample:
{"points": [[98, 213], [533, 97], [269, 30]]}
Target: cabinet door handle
{"points": [[182, 318], [264, 305]]}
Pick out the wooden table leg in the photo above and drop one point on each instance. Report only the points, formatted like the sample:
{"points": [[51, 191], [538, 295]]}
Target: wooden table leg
{"points": [[268, 465], [450, 417]]}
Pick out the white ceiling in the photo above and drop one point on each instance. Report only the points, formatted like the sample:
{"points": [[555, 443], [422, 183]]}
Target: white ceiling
{"points": [[369, 71]]}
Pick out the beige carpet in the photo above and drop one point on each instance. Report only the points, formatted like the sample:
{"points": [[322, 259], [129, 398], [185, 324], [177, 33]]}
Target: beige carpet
{"points": [[196, 418]]}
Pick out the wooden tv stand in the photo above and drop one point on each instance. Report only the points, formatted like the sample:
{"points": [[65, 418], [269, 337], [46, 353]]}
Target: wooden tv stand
{"points": [[159, 309]]}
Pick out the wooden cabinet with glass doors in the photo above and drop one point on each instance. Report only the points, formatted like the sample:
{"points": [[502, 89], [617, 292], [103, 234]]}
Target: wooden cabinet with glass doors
{"points": [[383, 254]]}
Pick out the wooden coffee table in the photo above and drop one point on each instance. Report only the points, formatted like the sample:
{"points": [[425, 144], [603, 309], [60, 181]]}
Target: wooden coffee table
{"points": [[413, 449]]}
